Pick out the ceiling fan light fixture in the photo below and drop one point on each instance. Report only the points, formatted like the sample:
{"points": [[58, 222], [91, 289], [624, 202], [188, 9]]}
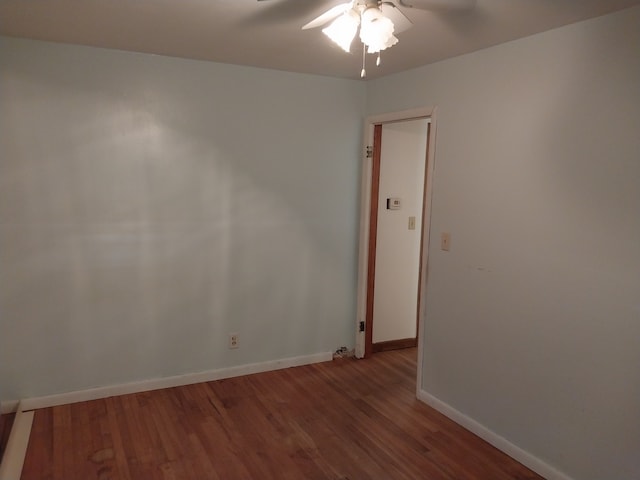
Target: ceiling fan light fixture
{"points": [[376, 47], [343, 29], [376, 30]]}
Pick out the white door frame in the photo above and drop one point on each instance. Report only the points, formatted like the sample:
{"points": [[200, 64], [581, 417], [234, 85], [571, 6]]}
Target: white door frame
{"points": [[365, 210]]}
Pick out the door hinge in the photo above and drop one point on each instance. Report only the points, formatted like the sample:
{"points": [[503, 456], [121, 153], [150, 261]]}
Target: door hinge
{"points": [[362, 326], [369, 151]]}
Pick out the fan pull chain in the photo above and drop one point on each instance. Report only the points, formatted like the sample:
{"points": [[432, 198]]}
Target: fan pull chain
{"points": [[363, 73]]}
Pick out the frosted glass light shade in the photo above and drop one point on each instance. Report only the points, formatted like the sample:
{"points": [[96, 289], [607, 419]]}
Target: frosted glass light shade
{"points": [[376, 31], [378, 47], [343, 29]]}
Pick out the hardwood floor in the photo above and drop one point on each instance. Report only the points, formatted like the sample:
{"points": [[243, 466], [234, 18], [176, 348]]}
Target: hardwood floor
{"points": [[347, 419], [6, 422]]}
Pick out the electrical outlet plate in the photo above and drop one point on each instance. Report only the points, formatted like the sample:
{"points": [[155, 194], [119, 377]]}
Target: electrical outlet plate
{"points": [[234, 340]]}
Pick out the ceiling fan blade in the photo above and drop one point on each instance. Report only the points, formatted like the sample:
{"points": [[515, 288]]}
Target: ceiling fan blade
{"points": [[328, 15], [399, 19], [438, 4]]}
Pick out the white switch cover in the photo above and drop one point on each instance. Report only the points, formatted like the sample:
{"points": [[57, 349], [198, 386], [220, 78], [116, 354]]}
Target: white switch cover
{"points": [[412, 223], [445, 241]]}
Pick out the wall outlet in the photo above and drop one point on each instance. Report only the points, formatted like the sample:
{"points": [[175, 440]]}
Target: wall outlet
{"points": [[234, 340]]}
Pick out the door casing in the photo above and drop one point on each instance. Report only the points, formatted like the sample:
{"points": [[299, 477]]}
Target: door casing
{"points": [[365, 224]]}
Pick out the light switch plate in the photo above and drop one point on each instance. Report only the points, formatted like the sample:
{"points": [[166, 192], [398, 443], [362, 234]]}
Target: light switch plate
{"points": [[412, 223]]}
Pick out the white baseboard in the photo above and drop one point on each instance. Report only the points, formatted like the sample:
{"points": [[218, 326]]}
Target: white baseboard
{"points": [[9, 406], [13, 458], [534, 463], [168, 382]]}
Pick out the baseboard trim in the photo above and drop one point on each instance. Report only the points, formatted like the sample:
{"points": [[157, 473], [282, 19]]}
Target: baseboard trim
{"points": [[534, 463], [394, 344], [10, 406], [14, 454], [169, 382]]}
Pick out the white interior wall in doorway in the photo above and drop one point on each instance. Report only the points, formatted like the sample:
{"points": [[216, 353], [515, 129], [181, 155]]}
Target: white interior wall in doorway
{"points": [[402, 167]]}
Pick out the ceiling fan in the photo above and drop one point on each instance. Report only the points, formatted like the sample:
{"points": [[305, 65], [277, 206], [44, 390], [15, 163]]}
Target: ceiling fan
{"points": [[378, 21]]}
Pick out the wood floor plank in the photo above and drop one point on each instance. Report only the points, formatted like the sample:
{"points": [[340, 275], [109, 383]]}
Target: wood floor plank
{"points": [[62, 443], [342, 420], [81, 442], [41, 446], [6, 422], [109, 428]]}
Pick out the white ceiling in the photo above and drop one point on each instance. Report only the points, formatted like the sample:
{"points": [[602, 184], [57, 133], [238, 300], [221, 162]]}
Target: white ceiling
{"points": [[267, 33]]}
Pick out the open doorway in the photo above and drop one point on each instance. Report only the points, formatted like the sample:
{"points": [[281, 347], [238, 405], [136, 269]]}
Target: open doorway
{"points": [[371, 203], [400, 157]]}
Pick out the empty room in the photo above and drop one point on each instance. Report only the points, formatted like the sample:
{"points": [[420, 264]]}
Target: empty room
{"points": [[316, 239]]}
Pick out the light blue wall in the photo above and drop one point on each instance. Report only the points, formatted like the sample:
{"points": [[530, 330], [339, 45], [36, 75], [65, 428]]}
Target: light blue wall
{"points": [[533, 318], [149, 206]]}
